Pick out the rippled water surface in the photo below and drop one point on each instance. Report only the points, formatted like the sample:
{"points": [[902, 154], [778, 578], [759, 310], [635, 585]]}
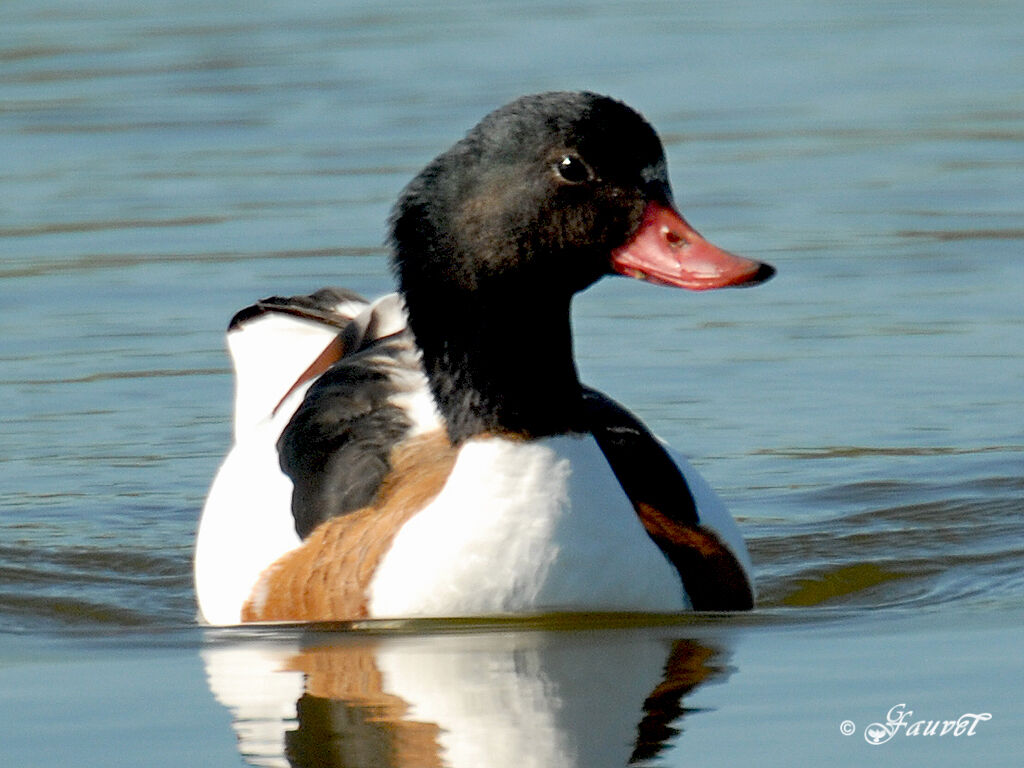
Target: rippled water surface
{"points": [[162, 164]]}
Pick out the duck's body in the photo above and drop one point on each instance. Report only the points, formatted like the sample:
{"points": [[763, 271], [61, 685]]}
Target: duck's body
{"points": [[433, 453]]}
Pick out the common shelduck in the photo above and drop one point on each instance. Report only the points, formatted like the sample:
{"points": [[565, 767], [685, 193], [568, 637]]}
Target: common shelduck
{"points": [[433, 453]]}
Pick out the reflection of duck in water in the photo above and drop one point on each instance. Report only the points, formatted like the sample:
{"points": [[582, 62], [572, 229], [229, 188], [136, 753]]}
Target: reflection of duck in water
{"points": [[442, 456], [581, 699]]}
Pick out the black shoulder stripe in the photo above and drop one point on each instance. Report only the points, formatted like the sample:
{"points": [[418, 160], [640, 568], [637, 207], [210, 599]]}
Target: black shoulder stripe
{"points": [[644, 469], [337, 446], [711, 575]]}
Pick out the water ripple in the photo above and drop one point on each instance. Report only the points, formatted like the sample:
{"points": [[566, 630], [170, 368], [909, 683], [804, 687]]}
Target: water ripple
{"points": [[923, 553], [91, 586]]}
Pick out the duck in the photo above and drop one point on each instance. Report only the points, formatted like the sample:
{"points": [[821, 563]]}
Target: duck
{"points": [[433, 452]]}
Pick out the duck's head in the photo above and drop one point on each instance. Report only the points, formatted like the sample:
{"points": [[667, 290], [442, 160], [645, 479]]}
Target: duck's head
{"points": [[542, 198], [491, 240]]}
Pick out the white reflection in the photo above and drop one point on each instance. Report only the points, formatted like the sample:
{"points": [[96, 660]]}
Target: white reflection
{"points": [[501, 699]]}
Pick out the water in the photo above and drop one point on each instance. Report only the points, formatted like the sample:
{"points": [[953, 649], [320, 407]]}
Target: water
{"points": [[162, 164]]}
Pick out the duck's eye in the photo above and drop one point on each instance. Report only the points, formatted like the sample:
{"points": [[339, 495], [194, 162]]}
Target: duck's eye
{"points": [[573, 170]]}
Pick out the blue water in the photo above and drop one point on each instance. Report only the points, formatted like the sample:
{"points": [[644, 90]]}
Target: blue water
{"points": [[162, 164]]}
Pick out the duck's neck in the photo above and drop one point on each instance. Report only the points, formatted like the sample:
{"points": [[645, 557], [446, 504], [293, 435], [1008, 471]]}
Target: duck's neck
{"points": [[500, 364]]}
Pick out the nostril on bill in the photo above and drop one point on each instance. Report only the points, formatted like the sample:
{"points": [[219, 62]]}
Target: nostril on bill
{"points": [[673, 238]]}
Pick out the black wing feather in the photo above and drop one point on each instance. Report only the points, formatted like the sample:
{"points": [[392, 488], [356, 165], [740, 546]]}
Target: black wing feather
{"points": [[337, 446], [643, 467]]}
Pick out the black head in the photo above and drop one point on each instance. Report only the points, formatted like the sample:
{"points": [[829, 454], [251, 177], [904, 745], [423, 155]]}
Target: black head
{"points": [[533, 199]]}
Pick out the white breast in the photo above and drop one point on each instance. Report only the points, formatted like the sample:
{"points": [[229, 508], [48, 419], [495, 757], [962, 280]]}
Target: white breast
{"points": [[525, 526]]}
